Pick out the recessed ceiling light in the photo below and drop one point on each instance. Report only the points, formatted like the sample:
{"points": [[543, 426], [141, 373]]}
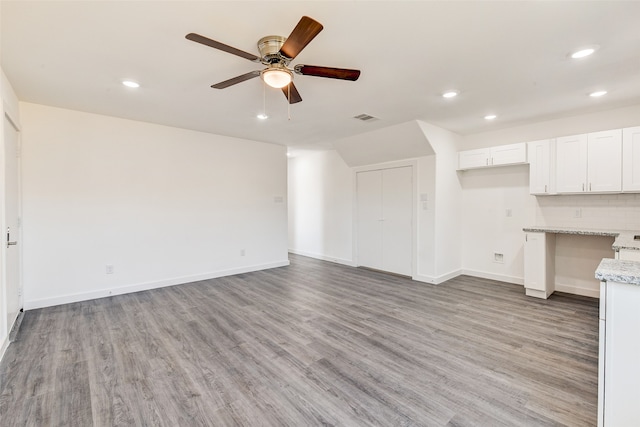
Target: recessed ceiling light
{"points": [[450, 94], [490, 117], [262, 116], [584, 52], [598, 93], [130, 83]]}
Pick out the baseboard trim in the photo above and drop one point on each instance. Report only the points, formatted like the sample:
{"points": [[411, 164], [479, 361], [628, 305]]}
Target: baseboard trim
{"points": [[3, 348], [493, 276], [324, 257], [577, 290], [437, 279], [102, 293]]}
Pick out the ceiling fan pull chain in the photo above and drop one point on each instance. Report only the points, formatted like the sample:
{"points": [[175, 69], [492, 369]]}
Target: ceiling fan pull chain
{"points": [[264, 99], [289, 101]]}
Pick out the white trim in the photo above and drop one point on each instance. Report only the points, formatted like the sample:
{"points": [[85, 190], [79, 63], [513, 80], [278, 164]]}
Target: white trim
{"points": [[577, 290], [493, 276], [324, 257], [102, 293], [4, 347], [437, 280]]}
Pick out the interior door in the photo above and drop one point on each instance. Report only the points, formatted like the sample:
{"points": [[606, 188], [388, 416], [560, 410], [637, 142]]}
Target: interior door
{"points": [[11, 232], [369, 205], [385, 220], [397, 206]]}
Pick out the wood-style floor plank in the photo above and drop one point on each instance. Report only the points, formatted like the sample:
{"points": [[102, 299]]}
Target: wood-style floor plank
{"points": [[310, 344]]}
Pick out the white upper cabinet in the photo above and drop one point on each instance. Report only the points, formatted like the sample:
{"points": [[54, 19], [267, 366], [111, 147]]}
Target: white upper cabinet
{"points": [[471, 159], [542, 166], [512, 154], [571, 164], [589, 163], [502, 155], [631, 159], [604, 161]]}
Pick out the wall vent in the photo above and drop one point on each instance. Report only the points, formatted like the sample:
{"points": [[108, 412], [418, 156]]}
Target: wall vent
{"points": [[365, 117]]}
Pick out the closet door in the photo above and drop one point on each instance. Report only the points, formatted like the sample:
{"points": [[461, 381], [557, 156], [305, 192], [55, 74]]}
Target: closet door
{"points": [[385, 221], [369, 205], [397, 206]]}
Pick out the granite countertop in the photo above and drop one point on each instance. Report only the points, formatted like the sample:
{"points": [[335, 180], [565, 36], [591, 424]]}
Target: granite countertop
{"points": [[624, 238], [615, 270]]}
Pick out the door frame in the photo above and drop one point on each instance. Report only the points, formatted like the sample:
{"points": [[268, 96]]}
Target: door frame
{"points": [[413, 163]]}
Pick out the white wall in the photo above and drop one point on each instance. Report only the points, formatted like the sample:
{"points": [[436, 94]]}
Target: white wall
{"points": [[162, 205], [321, 206], [447, 203], [487, 195]]}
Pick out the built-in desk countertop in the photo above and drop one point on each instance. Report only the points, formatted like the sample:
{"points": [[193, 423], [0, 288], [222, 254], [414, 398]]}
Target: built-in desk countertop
{"points": [[624, 238]]}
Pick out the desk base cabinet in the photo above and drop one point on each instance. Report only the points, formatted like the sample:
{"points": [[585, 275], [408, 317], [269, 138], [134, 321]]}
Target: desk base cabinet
{"points": [[539, 264]]}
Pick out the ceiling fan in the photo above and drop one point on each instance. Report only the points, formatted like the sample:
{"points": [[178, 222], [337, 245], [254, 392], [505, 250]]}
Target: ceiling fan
{"points": [[276, 52]]}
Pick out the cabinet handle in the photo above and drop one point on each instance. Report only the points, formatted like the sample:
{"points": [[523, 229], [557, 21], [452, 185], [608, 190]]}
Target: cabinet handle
{"points": [[545, 188], [583, 186], [492, 160], [487, 161], [589, 186]]}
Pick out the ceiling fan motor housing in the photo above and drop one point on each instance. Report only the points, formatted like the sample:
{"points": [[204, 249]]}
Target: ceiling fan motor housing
{"points": [[269, 48]]}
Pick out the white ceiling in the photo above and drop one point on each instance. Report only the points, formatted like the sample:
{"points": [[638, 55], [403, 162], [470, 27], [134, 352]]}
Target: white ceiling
{"points": [[508, 58]]}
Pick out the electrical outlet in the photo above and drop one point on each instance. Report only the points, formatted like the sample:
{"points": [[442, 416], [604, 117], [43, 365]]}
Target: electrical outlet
{"points": [[109, 269], [578, 213], [509, 213], [498, 257], [242, 252]]}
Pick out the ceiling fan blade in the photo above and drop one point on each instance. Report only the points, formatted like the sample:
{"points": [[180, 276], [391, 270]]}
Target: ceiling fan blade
{"points": [[221, 46], [294, 96], [236, 80], [301, 35], [329, 72]]}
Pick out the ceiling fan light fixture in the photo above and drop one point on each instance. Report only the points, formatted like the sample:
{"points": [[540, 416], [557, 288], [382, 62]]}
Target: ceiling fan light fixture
{"points": [[277, 77], [450, 94]]}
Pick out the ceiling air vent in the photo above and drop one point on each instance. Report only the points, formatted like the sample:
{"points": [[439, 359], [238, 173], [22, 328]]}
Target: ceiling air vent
{"points": [[365, 118]]}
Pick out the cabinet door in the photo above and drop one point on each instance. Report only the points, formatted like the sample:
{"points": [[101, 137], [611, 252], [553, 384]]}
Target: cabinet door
{"points": [[540, 166], [471, 159], [604, 165], [534, 261], [571, 164], [631, 159], [622, 346], [511, 154]]}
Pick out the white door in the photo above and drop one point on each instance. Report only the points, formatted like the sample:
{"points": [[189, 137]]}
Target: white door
{"points": [[384, 205], [369, 205], [11, 232], [397, 205]]}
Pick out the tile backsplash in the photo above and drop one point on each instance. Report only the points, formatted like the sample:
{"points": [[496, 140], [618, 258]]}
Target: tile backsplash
{"points": [[610, 211]]}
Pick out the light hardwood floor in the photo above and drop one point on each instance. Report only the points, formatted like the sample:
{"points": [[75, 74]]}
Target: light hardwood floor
{"points": [[311, 344]]}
